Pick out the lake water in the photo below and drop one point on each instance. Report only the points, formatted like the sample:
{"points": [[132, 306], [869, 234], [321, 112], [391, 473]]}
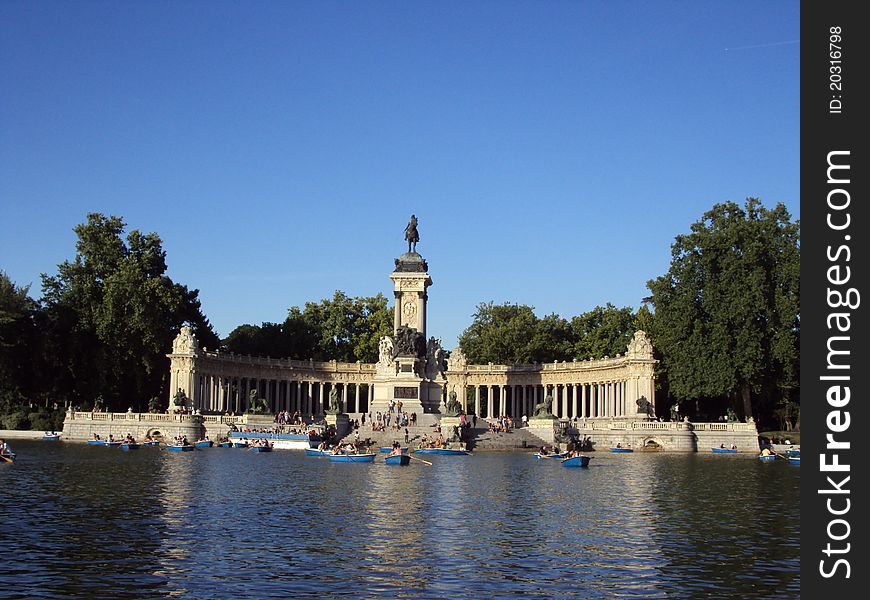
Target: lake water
{"points": [[87, 521]]}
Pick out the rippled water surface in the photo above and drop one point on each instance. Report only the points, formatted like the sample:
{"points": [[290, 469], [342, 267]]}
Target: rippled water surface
{"points": [[85, 521]]}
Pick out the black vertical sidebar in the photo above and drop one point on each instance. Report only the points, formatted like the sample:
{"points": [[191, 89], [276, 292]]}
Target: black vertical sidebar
{"points": [[835, 370]]}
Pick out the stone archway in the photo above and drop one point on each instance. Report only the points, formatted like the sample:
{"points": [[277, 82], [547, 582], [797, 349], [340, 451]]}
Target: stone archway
{"points": [[652, 444]]}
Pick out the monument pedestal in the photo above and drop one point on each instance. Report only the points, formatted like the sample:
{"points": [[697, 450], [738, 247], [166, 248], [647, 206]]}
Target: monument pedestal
{"points": [[341, 422], [447, 425], [543, 427]]}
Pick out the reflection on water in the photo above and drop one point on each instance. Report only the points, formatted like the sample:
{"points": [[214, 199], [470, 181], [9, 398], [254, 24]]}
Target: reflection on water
{"points": [[84, 520]]}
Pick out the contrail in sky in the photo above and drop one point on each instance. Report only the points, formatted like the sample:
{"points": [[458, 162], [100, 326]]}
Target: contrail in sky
{"points": [[764, 45]]}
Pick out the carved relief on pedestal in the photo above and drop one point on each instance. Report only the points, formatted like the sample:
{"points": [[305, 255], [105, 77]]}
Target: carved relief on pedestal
{"points": [[640, 346], [386, 364], [436, 358]]}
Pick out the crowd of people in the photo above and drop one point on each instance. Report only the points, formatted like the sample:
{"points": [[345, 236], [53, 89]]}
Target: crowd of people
{"points": [[394, 418], [285, 417]]}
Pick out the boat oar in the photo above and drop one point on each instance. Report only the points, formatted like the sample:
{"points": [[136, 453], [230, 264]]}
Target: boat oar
{"points": [[420, 459], [10, 459]]}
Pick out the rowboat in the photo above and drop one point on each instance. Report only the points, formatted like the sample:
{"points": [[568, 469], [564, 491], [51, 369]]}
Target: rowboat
{"points": [[553, 455], [388, 449], [204, 444], [151, 443], [261, 448], [576, 461], [9, 457], [448, 451], [174, 448], [622, 449], [113, 443], [240, 444], [130, 446], [792, 452], [398, 459], [316, 452], [51, 437], [225, 445], [369, 457], [280, 441], [794, 460], [724, 450], [96, 442], [767, 457]]}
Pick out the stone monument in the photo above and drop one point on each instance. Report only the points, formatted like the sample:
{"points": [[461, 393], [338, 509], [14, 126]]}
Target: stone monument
{"points": [[543, 421], [335, 415], [409, 368]]}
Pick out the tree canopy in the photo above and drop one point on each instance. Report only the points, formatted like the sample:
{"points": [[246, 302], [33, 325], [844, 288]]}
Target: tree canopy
{"points": [[110, 315], [341, 328], [513, 334], [727, 312]]}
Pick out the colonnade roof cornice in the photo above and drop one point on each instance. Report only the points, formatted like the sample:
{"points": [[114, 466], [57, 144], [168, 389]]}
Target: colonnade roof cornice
{"points": [[556, 367], [220, 360]]}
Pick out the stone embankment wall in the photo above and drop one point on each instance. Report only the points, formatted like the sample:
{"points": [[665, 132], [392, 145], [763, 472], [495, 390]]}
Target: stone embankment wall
{"points": [[83, 426]]}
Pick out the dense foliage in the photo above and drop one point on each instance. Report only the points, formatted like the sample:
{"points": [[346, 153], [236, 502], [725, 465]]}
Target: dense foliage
{"points": [[727, 313], [513, 334], [343, 329], [102, 327]]}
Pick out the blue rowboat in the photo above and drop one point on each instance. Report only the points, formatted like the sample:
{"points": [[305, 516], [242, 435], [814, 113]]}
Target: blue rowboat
{"points": [[151, 443], [173, 448], [767, 457], [8, 457], [622, 449], [316, 452], [367, 458], [53, 437], [96, 442], [576, 461], [388, 449], [794, 460], [724, 450], [113, 443], [225, 445], [398, 459], [792, 452], [261, 448], [553, 455], [448, 451], [240, 444], [204, 444], [133, 446]]}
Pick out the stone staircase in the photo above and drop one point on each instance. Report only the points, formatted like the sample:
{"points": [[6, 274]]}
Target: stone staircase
{"points": [[518, 439], [479, 438]]}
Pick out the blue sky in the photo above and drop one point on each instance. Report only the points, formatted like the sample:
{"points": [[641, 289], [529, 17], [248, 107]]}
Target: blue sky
{"points": [[550, 150]]}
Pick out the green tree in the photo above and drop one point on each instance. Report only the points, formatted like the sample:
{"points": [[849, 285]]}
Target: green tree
{"points": [[501, 334], [603, 331], [727, 313], [111, 314], [19, 352], [341, 328]]}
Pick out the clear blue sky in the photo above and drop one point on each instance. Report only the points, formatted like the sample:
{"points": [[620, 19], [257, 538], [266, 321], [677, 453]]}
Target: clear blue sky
{"points": [[550, 150]]}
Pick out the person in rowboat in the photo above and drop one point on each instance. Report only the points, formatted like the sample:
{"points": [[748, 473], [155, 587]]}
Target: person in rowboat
{"points": [[397, 450]]}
